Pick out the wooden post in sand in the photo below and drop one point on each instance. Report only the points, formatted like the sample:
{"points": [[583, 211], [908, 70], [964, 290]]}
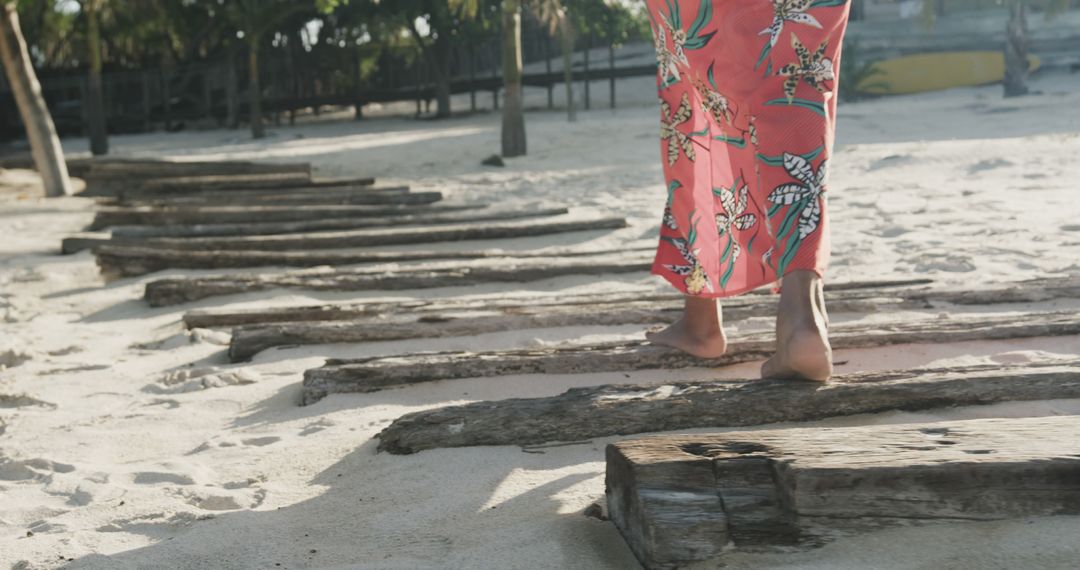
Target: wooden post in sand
{"points": [[683, 499]]}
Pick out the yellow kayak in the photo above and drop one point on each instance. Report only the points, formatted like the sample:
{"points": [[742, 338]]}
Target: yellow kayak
{"points": [[935, 71]]}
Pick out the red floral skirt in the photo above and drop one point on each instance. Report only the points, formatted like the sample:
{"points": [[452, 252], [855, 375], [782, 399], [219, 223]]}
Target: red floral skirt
{"points": [[747, 119]]}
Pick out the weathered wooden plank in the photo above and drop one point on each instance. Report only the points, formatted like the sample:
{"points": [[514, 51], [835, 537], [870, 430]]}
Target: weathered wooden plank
{"points": [[110, 217], [248, 341], [182, 185], [858, 296], [261, 181], [153, 168], [361, 238], [616, 310], [371, 374], [329, 224], [123, 261], [165, 292], [682, 499], [374, 196], [604, 411], [248, 188], [107, 177]]}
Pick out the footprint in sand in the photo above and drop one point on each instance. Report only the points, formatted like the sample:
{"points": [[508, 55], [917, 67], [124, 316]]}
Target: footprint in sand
{"points": [[30, 469], [11, 357], [990, 164], [195, 379], [261, 441], [317, 426], [941, 262], [154, 478], [23, 401]]}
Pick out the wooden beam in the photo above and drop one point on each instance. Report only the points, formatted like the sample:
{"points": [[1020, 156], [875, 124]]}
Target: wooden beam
{"points": [[165, 292], [735, 307], [110, 217], [261, 181], [844, 297], [254, 189], [330, 224], [369, 375], [684, 499], [360, 238], [106, 177], [605, 411], [622, 309], [116, 262], [374, 196]]}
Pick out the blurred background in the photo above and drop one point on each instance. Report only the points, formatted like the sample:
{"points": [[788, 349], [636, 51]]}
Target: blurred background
{"points": [[201, 64]]}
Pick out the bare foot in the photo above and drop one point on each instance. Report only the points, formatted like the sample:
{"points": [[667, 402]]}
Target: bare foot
{"points": [[677, 335], [802, 336], [699, 332]]}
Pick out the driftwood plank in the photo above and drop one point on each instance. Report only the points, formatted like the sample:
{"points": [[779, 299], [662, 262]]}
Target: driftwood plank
{"points": [[682, 499], [376, 196], [250, 340], [165, 292], [859, 296], [604, 411], [329, 224], [217, 183], [151, 216], [248, 189], [123, 261], [367, 375], [105, 177], [364, 237], [616, 310]]}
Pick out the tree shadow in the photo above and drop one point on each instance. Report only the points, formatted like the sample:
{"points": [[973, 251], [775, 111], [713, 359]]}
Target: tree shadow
{"points": [[383, 511]]}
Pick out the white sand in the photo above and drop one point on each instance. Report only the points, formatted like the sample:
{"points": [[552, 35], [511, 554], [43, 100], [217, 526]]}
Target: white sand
{"points": [[127, 461]]}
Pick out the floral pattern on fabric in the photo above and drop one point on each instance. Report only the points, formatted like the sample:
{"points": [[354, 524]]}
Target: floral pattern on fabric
{"points": [[748, 104]]}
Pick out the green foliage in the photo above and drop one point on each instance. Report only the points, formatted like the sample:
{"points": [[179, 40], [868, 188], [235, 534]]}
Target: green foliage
{"points": [[856, 73]]}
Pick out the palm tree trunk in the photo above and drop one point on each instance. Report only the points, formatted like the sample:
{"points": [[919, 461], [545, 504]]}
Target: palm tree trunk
{"points": [[1016, 50], [40, 131], [254, 90], [95, 109], [513, 120], [566, 43], [441, 64]]}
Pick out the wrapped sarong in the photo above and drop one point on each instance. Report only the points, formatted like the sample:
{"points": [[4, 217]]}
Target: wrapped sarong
{"points": [[747, 119]]}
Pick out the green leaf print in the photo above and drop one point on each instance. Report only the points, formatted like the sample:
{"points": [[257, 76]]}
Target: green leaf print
{"points": [[737, 142], [672, 187], [815, 106], [779, 160], [828, 3]]}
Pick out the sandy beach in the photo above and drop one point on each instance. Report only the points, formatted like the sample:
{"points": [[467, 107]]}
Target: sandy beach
{"points": [[127, 441]]}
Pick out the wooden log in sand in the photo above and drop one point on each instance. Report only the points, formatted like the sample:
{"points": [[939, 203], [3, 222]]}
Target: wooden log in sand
{"points": [[373, 196], [188, 185], [605, 411], [110, 176], [152, 168], [861, 296], [248, 341], [151, 216], [169, 195], [681, 499], [117, 262], [615, 310], [262, 181], [165, 292], [329, 224], [372, 374], [360, 238]]}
